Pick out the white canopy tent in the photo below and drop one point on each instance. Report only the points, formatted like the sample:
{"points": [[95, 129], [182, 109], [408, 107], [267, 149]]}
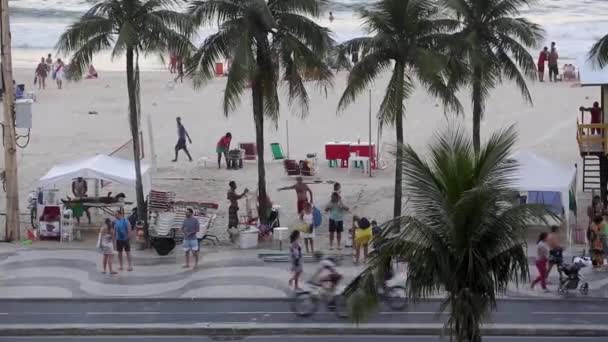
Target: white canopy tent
{"points": [[102, 167], [536, 173]]}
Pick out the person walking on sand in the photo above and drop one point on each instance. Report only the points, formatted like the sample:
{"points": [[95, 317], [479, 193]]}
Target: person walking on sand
{"points": [[553, 68], [190, 227], [302, 193], [123, 235], [59, 72], [41, 74], [180, 70], [542, 253], [106, 241], [336, 210], [295, 253], [331, 17], [306, 216], [222, 147], [542, 59], [233, 210], [182, 134], [49, 63]]}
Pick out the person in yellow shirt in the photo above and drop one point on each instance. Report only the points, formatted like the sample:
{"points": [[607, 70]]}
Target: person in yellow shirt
{"points": [[363, 235]]}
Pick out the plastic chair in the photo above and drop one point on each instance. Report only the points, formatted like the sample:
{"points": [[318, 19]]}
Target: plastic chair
{"points": [[277, 151]]}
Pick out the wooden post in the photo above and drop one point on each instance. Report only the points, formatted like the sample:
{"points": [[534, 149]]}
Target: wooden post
{"points": [[10, 143]]}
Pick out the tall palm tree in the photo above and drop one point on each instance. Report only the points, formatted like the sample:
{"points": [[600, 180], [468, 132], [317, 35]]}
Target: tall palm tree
{"points": [[494, 42], [266, 41], [409, 37], [464, 234], [599, 52], [130, 27]]}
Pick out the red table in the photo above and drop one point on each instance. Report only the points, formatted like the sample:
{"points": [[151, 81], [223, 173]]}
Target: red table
{"points": [[363, 150], [338, 151]]}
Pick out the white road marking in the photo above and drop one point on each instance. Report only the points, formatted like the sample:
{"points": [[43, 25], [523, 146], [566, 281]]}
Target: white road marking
{"points": [[579, 313]]}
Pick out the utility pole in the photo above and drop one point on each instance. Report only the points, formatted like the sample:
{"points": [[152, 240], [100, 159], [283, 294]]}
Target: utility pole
{"points": [[10, 143]]}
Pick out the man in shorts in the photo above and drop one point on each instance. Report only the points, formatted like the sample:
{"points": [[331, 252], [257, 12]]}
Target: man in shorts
{"points": [[553, 68], [122, 227], [302, 192], [336, 210], [233, 210], [182, 134], [190, 227]]}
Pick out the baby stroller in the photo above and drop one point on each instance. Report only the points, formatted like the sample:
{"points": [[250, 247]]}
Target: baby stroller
{"points": [[572, 277]]}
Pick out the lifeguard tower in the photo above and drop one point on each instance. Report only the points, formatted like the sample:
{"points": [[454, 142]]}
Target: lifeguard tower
{"points": [[593, 138]]}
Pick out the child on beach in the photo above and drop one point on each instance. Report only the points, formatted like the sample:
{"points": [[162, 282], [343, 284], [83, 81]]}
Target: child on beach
{"points": [[363, 235], [106, 244], [295, 252], [336, 210], [307, 216]]}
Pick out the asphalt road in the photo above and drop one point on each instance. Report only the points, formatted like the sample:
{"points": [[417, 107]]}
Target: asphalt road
{"points": [[125, 311], [291, 339]]}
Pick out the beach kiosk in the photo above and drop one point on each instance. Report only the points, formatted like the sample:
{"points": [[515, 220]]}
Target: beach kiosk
{"points": [[593, 138], [50, 207]]}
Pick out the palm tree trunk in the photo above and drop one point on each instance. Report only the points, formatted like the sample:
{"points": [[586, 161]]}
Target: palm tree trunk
{"points": [[258, 117], [477, 109], [399, 160], [134, 125]]}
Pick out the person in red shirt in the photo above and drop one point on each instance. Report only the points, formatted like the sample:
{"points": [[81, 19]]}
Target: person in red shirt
{"points": [[223, 146], [596, 116], [542, 58]]}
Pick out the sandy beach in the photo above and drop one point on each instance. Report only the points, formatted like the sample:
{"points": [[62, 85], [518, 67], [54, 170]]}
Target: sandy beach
{"points": [[63, 130]]}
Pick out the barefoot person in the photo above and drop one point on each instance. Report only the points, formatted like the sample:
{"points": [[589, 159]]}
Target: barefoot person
{"points": [[222, 147], [41, 74], [302, 192], [233, 210], [107, 237], [123, 232], [190, 227], [59, 72], [307, 217], [295, 252], [182, 134], [79, 189], [542, 59], [336, 210]]}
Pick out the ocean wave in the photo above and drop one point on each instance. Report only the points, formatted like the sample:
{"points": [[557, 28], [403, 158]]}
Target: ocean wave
{"points": [[44, 13]]}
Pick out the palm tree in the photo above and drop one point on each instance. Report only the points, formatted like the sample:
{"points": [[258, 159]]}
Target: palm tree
{"points": [[130, 27], [599, 52], [265, 41], [464, 234], [407, 36], [494, 42]]}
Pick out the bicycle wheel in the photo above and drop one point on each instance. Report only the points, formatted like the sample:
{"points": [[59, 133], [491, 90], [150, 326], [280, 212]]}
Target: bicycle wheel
{"points": [[396, 297], [340, 306], [304, 304]]}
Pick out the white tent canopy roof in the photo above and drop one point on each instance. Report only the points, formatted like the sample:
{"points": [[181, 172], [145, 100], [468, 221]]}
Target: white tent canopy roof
{"points": [[536, 173], [102, 167]]}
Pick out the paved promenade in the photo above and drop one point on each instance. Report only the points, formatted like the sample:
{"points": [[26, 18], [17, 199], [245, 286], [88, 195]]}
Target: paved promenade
{"points": [[55, 271]]}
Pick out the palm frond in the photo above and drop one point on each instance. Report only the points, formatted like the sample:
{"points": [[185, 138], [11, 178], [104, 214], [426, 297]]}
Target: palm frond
{"points": [[305, 7], [599, 52]]}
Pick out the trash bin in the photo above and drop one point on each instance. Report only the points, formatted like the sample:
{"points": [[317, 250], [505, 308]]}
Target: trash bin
{"points": [[248, 238]]}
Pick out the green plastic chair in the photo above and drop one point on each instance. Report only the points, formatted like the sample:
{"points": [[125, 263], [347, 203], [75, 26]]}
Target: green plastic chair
{"points": [[277, 151]]}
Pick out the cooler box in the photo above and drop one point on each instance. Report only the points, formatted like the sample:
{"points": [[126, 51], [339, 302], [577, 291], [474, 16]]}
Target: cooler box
{"points": [[248, 238]]}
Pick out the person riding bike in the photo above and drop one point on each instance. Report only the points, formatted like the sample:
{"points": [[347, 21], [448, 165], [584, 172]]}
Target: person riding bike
{"points": [[327, 273]]}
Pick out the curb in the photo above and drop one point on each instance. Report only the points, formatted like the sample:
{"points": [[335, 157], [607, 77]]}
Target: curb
{"points": [[253, 329], [285, 299]]}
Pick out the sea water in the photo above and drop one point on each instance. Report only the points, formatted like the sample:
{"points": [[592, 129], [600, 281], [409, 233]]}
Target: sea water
{"points": [[573, 24]]}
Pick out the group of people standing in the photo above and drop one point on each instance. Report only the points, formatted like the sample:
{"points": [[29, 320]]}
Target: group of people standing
{"points": [[47, 66], [551, 58]]}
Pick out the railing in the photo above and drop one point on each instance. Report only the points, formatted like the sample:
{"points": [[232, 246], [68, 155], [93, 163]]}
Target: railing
{"points": [[592, 138]]}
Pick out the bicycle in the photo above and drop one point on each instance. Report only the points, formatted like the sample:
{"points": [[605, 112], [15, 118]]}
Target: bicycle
{"points": [[306, 303]]}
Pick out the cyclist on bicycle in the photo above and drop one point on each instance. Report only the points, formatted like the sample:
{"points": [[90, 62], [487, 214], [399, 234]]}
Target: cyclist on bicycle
{"points": [[327, 273]]}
